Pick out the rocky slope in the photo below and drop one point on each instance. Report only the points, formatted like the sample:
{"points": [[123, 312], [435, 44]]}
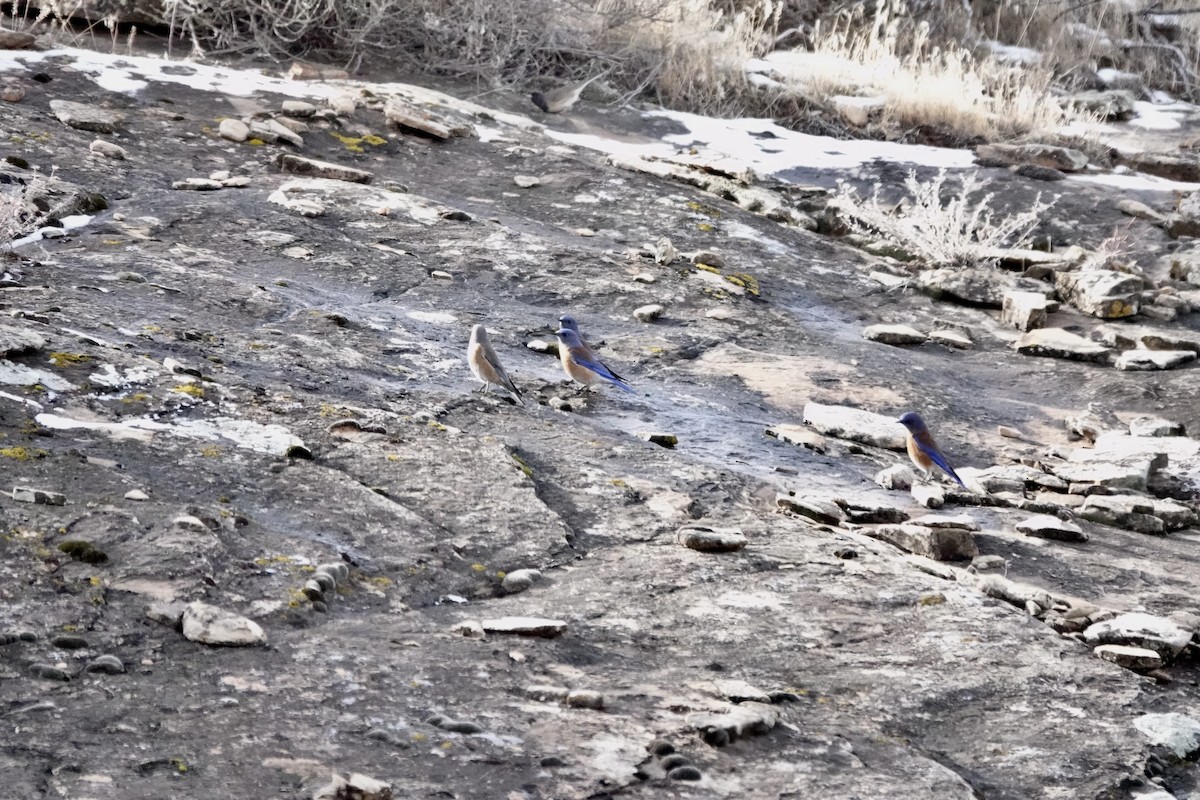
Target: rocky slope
{"points": [[261, 532]]}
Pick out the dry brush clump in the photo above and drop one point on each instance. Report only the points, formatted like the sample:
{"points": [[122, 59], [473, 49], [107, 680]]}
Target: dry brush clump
{"points": [[923, 81], [19, 212], [689, 52], [961, 231]]}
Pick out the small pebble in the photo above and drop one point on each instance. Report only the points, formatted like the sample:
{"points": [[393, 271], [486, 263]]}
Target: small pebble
{"points": [[685, 773], [453, 725], [49, 672], [1009, 433], [648, 313], [667, 440], [136, 494], [661, 747], [340, 570], [108, 149], [585, 698], [107, 664], [68, 642], [519, 580], [552, 761]]}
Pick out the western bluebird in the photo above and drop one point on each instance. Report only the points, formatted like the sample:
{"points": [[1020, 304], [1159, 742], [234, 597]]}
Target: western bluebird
{"points": [[923, 450], [580, 365], [568, 322], [485, 364]]}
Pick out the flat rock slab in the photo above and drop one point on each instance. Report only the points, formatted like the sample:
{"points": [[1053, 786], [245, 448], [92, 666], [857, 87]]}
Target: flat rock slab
{"points": [[86, 116], [311, 167], [1046, 526], [928, 495], [525, 626], [947, 521], [15, 40], [951, 338], [940, 544], [211, 625], [856, 425], [1121, 473], [797, 435], [1024, 311], [976, 286], [1043, 155], [1149, 337], [707, 540], [1137, 629], [863, 512], [271, 132], [898, 478], [42, 497], [893, 334], [14, 339], [736, 722], [1135, 658], [1135, 513], [817, 509], [1177, 732], [198, 185], [1143, 360], [1013, 478], [1155, 426], [1059, 343], [406, 116], [1101, 293]]}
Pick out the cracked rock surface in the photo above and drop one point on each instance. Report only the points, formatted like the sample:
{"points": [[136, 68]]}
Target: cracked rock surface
{"points": [[255, 410]]}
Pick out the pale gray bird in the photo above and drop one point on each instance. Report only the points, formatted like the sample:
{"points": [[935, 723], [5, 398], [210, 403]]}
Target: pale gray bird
{"points": [[485, 364], [556, 101]]}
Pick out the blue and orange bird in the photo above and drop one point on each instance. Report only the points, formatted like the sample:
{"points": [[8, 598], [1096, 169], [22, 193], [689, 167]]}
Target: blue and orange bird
{"points": [[567, 322], [485, 364], [923, 450], [581, 365]]}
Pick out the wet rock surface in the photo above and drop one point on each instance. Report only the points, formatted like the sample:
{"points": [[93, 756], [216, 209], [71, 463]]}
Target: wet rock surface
{"points": [[707, 639]]}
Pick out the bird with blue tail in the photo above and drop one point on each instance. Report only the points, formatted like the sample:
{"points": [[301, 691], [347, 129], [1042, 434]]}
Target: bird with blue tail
{"points": [[923, 450], [581, 364], [567, 322]]}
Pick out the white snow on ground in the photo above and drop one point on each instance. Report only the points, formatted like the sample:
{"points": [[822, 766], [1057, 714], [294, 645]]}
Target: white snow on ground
{"points": [[1013, 54], [767, 148], [130, 74], [70, 222], [758, 144]]}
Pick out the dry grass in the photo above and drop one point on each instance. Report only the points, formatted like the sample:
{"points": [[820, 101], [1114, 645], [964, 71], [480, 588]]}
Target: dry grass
{"points": [[961, 231], [18, 213], [690, 51], [923, 84]]}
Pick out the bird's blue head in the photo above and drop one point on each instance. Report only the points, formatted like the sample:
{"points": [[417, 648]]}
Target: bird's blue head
{"points": [[567, 336], [912, 420], [567, 322]]}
